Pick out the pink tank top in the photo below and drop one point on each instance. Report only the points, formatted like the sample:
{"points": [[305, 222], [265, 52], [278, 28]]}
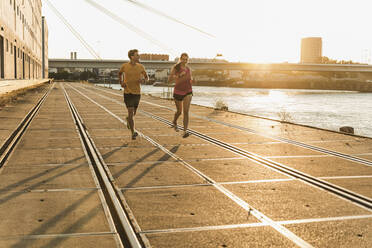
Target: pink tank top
{"points": [[183, 83]]}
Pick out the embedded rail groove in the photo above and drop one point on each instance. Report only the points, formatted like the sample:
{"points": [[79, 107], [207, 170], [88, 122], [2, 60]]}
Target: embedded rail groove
{"points": [[339, 191], [293, 142], [260, 216], [344, 193], [16, 135], [129, 237]]}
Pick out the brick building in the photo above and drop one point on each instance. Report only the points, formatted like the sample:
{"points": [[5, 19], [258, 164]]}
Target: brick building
{"points": [[157, 57]]}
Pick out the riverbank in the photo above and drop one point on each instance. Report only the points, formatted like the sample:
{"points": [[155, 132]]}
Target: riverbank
{"points": [[336, 84], [331, 84]]}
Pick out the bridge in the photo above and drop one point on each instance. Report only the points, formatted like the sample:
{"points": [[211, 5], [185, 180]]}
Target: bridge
{"points": [[112, 64], [100, 63]]}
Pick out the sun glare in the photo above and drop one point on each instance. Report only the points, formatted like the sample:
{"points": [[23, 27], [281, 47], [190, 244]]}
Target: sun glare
{"points": [[277, 96]]}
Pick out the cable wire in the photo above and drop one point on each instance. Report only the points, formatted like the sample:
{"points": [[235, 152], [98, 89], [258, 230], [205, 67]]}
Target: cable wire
{"points": [[130, 26], [73, 31], [151, 9]]}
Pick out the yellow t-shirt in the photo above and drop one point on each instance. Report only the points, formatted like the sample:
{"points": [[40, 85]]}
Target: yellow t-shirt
{"points": [[132, 75]]}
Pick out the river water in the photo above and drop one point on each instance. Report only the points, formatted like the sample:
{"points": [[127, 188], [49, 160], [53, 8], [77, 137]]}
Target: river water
{"points": [[318, 108]]}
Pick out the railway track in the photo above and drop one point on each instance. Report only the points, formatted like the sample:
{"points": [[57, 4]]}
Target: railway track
{"points": [[357, 199], [15, 136], [125, 225], [110, 201], [284, 140], [246, 206], [341, 192]]}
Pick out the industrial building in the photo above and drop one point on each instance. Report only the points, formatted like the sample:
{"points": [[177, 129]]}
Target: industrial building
{"points": [[311, 50], [23, 40], [154, 57]]}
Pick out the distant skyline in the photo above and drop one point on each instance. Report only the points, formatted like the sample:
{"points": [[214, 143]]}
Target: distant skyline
{"points": [[261, 31]]}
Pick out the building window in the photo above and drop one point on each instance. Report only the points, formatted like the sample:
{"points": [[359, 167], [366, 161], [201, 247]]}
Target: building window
{"points": [[17, 10], [7, 45]]}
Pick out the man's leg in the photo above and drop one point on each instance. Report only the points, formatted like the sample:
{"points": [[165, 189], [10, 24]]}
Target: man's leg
{"points": [[135, 111], [136, 99], [127, 102], [130, 119]]}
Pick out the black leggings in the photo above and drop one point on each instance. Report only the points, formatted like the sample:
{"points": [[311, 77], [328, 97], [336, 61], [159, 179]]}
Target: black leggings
{"points": [[180, 97], [131, 100]]}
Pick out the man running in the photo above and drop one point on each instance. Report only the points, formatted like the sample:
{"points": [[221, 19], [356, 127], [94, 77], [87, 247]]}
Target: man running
{"points": [[131, 75]]}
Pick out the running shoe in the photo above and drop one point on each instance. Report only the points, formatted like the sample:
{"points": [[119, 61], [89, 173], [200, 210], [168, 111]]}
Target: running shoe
{"points": [[134, 135], [185, 135], [175, 127]]}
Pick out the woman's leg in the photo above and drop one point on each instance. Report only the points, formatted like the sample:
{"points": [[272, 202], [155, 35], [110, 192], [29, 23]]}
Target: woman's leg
{"points": [[178, 113], [186, 108]]}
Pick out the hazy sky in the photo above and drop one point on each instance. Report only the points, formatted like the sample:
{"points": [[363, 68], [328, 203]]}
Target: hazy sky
{"points": [[245, 30]]}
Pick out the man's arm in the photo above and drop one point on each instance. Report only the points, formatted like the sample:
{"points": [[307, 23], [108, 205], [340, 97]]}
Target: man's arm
{"points": [[121, 79]]}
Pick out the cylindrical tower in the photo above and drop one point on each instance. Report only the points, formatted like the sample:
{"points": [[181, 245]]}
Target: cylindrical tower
{"points": [[311, 50]]}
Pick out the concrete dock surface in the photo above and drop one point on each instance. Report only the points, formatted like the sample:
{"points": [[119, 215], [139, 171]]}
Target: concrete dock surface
{"points": [[177, 192], [8, 86]]}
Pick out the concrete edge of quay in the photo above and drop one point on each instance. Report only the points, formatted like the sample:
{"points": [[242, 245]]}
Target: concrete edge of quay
{"points": [[12, 88], [287, 122]]}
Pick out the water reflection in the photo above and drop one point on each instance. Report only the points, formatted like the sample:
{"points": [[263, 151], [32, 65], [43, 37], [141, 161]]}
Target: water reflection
{"points": [[277, 96]]}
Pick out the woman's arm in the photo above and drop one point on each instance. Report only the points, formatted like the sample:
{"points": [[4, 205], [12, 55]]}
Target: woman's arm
{"points": [[191, 78], [145, 76], [172, 75]]}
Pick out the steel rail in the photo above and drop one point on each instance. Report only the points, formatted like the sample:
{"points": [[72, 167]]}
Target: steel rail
{"points": [[107, 184], [342, 192], [292, 142], [339, 191], [246, 206], [8, 146]]}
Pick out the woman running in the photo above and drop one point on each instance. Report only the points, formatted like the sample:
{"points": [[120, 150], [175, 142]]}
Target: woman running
{"points": [[182, 92]]}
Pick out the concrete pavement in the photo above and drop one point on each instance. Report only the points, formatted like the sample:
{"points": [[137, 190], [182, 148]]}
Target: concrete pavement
{"points": [[174, 187], [8, 86]]}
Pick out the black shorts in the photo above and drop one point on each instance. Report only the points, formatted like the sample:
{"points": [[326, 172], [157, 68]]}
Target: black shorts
{"points": [[180, 97], [131, 100]]}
